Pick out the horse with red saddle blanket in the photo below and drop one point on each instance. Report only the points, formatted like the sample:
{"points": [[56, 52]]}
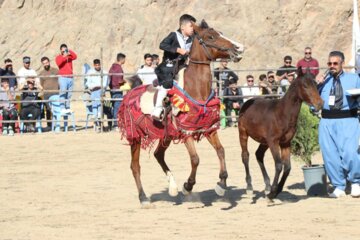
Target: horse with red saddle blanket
{"points": [[195, 112]]}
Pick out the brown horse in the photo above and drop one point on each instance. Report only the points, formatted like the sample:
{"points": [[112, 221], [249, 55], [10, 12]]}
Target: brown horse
{"points": [[272, 123], [208, 45]]}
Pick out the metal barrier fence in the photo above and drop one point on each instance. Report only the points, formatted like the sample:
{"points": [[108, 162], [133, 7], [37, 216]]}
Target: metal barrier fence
{"points": [[102, 99]]}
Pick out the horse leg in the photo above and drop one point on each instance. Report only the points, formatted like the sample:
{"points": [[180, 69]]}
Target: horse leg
{"points": [[135, 167], [285, 156], [278, 168], [245, 158], [188, 186], [260, 153], [160, 157], [215, 142]]}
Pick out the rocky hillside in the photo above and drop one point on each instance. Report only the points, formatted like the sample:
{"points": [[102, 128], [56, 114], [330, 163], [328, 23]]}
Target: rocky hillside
{"points": [[268, 29]]}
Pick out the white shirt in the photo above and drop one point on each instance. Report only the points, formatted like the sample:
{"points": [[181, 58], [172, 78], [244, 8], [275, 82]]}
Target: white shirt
{"points": [[147, 75], [23, 72], [95, 81], [250, 91]]}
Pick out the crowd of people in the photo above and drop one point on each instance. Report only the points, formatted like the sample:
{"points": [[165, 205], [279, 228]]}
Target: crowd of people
{"points": [[34, 88]]}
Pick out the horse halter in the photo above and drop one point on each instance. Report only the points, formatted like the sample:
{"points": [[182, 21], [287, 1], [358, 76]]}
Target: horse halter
{"points": [[205, 45]]}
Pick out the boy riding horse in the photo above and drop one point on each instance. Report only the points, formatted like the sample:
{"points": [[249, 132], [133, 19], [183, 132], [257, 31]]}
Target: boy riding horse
{"points": [[176, 47]]}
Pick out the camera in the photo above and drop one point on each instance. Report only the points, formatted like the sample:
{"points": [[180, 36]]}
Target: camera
{"points": [[66, 51]]}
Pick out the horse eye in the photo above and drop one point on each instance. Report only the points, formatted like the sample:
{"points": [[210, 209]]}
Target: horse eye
{"points": [[211, 37]]}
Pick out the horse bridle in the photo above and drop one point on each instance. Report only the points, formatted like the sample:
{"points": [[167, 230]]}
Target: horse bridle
{"points": [[205, 45]]}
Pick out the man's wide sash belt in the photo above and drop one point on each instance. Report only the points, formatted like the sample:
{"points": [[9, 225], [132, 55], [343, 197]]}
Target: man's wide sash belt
{"points": [[339, 113]]}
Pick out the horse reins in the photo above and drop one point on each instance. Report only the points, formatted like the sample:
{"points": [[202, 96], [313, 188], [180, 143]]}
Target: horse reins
{"points": [[205, 45]]}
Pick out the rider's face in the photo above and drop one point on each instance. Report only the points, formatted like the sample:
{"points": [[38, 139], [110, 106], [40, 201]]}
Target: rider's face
{"points": [[187, 29]]}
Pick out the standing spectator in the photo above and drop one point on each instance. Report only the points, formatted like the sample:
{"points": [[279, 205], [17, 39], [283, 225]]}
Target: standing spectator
{"points": [[27, 71], [284, 71], [8, 109], [66, 82], [97, 84], [309, 62], [30, 110], [156, 60], [147, 73], [115, 82], [250, 89], [232, 103], [339, 129], [49, 84], [223, 74], [8, 71]]}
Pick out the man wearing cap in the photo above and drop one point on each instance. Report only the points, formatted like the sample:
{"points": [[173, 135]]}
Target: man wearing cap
{"points": [[339, 129], [27, 71], [66, 81]]}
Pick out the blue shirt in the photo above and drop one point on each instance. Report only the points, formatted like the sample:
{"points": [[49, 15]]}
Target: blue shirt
{"points": [[348, 81]]}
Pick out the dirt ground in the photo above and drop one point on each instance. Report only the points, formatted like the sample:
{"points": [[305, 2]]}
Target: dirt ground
{"points": [[79, 186]]}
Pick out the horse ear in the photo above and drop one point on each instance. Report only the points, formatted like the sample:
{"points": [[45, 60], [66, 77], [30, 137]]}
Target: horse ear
{"points": [[204, 24], [196, 27]]}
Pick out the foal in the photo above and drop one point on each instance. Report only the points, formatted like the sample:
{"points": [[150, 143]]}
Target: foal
{"points": [[272, 123]]}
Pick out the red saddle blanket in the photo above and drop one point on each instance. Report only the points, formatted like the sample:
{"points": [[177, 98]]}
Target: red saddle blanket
{"points": [[192, 119]]}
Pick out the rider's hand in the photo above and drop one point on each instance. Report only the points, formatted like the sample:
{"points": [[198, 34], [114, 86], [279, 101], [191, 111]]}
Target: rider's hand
{"points": [[181, 51]]}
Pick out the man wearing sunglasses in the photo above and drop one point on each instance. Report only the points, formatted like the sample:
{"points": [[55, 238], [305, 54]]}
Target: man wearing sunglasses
{"points": [[284, 72], [309, 62], [339, 129]]}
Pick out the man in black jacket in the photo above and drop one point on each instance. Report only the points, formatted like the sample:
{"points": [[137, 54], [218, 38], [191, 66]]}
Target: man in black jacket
{"points": [[224, 75], [176, 46], [232, 102]]}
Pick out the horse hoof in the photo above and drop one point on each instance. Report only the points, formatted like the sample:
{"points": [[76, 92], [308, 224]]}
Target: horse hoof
{"points": [[220, 191], [173, 192], [185, 192], [146, 204]]}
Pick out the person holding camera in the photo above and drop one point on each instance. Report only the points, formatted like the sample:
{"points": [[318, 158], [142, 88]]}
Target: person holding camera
{"points": [[66, 81]]}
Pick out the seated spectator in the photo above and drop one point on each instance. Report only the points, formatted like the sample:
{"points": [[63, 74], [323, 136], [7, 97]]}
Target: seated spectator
{"points": [[97, 86], [8, 71], [50, 86], [223, 75], [272, 85], [284, 86], [232, 103], [250, 89], [30, 110], [263, 85], [146, 72], [7, 108]]}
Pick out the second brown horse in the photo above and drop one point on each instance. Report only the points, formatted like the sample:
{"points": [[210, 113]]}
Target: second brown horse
{"points": [[272, 123]]}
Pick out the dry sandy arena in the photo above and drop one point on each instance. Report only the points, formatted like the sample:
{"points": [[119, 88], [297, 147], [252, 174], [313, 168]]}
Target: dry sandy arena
{"points": [[79, 186]]}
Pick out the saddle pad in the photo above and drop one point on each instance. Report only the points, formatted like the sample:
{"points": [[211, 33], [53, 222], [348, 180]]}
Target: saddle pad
{"points": [[147, 100]]}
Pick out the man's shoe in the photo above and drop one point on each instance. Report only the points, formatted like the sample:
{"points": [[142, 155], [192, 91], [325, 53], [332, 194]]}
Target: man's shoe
{"points": [[158, 113], [5, 131], [11, 131], [355, 190], [65, 111], [337, 193]]}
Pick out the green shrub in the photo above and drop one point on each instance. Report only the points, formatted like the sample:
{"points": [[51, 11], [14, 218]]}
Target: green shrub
{"points": [[305, 142]]}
